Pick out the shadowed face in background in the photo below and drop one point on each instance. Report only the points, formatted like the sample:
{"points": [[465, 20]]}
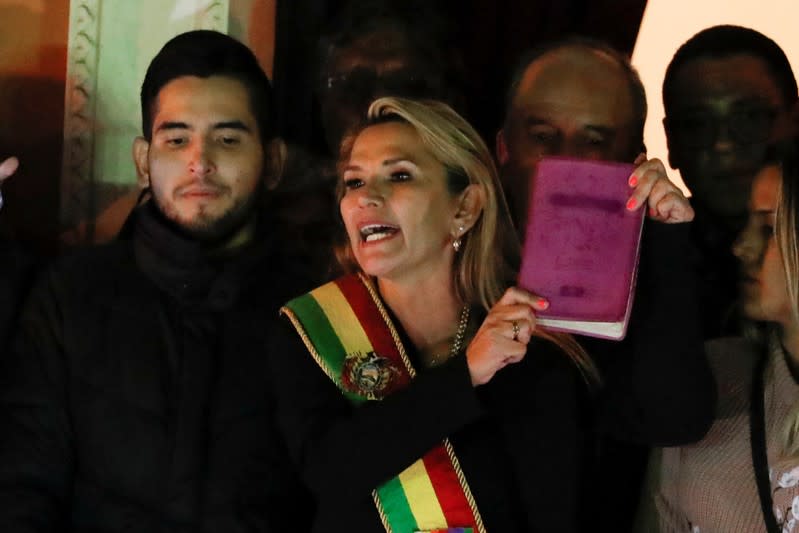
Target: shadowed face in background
{"points": [[377, 64], [574, 102], [722, 113]]}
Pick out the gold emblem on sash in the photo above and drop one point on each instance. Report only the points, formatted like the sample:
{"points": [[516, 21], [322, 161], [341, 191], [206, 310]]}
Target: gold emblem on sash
{"points": [[369, 374]]}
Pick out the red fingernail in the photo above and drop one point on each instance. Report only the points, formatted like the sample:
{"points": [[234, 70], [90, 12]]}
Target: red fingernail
{"points": [[652, 211], [631, 204], [633, 181], [543, 303]]}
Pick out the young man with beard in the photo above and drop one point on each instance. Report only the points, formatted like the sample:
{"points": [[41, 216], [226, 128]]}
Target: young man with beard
{"points": [[137, 397]]}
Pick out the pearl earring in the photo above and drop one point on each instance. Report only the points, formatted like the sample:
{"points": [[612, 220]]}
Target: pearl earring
{"points": [[456, 244]]}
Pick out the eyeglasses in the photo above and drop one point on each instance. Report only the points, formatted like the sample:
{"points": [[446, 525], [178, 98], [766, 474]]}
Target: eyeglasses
{"points": [[743, 126], [399, 82]]}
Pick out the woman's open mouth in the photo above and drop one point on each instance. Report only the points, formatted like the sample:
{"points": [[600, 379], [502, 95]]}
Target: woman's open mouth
{"points": [[377, 232]]}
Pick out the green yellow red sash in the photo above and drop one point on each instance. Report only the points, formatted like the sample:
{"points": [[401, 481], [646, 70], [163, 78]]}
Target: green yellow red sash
{"points": [[348, 332]]}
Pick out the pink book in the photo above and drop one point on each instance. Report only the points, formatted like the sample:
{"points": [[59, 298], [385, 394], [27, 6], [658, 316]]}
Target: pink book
{"points": [[581, 246]]}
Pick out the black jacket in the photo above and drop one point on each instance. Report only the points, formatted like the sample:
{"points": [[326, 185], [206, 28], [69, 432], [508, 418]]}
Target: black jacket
{"points": [[137, 397], [520, 439], [529, 440], [16, 271]]}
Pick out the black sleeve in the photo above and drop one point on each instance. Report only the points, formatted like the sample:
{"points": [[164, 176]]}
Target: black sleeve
{"points": [[658, 388], [544, 406], [16, 273], [350, 450], [36, 458]]}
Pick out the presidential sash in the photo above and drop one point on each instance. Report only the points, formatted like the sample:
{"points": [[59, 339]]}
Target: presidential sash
{"points": [[350, 335]]}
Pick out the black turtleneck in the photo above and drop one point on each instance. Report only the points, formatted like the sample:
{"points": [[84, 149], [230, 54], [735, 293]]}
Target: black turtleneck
{"points": [[200, 287], [196, 273]]}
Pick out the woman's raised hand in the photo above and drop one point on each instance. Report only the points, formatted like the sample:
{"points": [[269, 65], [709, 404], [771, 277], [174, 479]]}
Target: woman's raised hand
{"points": [[503, 336], [664, 200]]}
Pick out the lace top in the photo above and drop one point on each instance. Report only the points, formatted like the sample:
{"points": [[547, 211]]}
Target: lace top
{"points": [[710, 486]]}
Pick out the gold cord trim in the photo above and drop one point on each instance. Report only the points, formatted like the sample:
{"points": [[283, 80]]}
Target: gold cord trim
{"points": [[412, 371], [450, 451], [381, 511], [308, 344], [465, 486], [384, 314]]}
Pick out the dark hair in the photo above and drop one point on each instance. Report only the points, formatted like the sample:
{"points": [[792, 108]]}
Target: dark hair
{"points": [[637, 91], [723, 41], [418, 29], [206, 53]]}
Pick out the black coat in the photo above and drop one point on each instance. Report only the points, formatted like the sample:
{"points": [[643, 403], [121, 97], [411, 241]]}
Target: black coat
{"points": [[137, 397], [520, 439], [16, 271], [530, 440]]}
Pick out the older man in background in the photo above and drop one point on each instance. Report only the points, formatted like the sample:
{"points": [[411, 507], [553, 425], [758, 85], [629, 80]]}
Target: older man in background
{"points": [[582, 99]]}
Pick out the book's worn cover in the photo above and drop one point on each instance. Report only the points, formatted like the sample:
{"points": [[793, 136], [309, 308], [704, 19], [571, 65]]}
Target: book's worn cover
{"points": [[581, 245]]}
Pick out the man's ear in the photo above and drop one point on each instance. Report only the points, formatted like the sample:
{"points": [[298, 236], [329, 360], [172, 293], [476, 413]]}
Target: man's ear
{"points": [[501, 147], [470, 205], [141, 148], [275, 154]]}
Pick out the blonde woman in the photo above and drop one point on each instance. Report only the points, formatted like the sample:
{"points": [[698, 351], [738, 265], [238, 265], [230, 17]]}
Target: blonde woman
{"points": [[483, 421], [744, 475]]}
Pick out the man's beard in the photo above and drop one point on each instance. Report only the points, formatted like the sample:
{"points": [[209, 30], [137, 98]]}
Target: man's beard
{"points": [[212, 230]]}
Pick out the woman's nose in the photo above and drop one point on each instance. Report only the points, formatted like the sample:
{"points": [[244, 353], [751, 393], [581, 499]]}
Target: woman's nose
{"points": [[371, 194], [745, 247]]}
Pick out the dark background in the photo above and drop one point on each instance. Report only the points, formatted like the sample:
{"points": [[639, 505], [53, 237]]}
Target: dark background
{"points": [[492, 34]]}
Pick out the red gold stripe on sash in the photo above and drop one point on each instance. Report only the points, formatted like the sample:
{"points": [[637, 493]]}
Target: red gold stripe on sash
{"points": [[342, 318], [370, 318], [422, 498], [447, 485]]}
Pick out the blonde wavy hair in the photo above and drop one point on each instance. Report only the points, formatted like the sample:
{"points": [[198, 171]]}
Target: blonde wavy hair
{"points": [[786, 232], [487, 262]]}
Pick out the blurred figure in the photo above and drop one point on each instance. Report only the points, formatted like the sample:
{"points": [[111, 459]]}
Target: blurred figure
{"points": [[15, 270], [728, 92], [380, 48], [744, 475], [581, 98], [137, 395]]}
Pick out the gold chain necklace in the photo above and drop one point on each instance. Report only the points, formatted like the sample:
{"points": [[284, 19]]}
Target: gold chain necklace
{"points": [[457, 342]]}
